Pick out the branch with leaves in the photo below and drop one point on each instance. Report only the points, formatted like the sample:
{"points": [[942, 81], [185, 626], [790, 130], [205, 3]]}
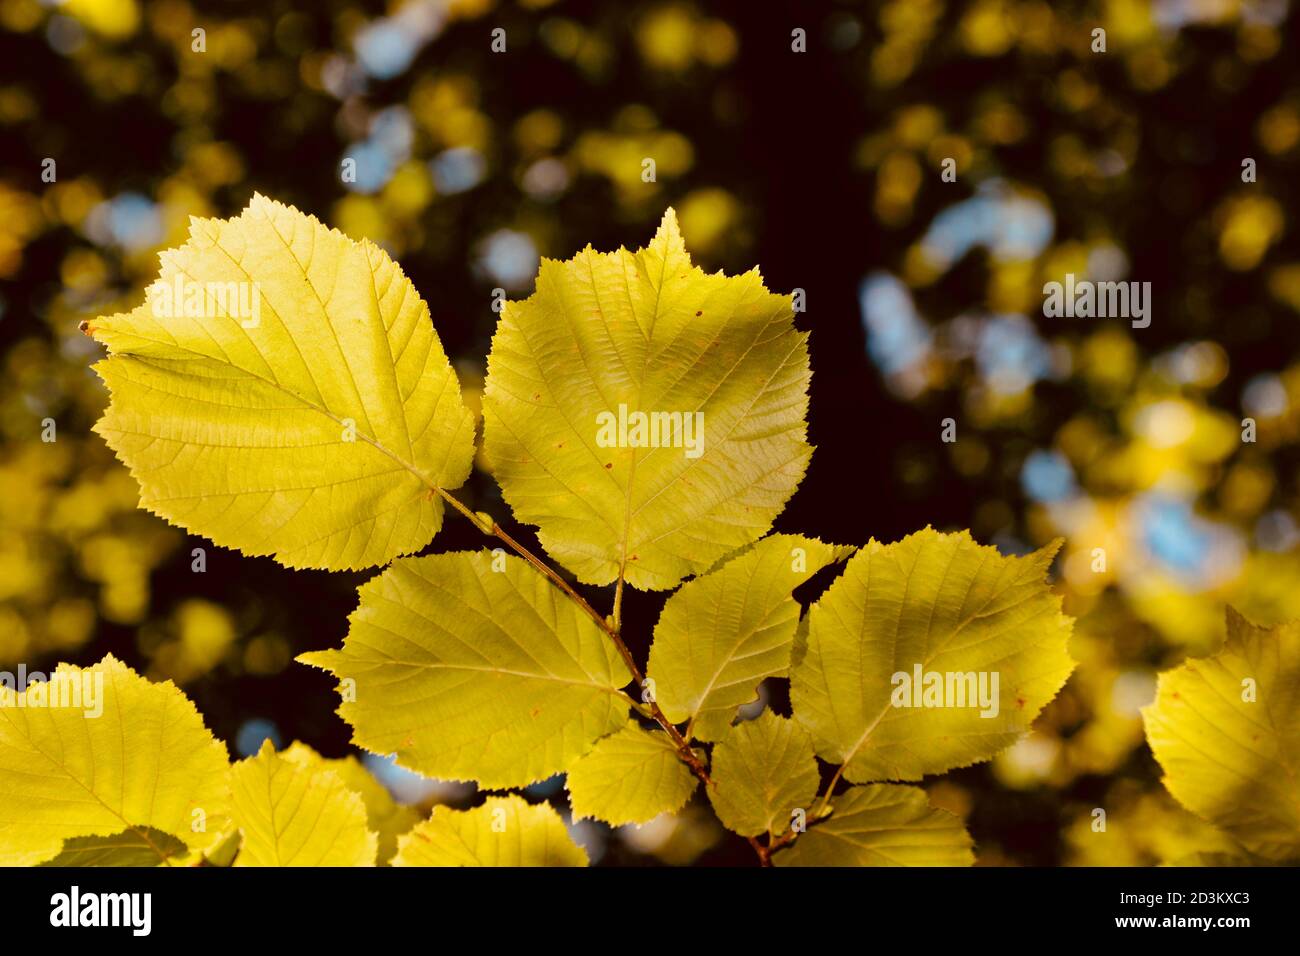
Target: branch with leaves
{"points": [[327, 430]]}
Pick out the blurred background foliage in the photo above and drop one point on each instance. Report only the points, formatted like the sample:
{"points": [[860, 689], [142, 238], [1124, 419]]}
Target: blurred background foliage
{"points": [[924, 298]]}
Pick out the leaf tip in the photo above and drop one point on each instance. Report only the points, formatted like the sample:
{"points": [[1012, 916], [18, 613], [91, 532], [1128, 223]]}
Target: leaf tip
{"points": [[669, 232], [1235, 619], [323, 660]]}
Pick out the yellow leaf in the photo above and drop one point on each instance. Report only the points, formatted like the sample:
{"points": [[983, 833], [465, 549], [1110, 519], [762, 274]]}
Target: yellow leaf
{"points": [[763, 771], [630, 777], [882, 825], [282, 391], [470, 673], [140, 847], [722, 634], [388, 818], [504, 831], [1226, 731], [143, 763], [578, 374], [945, 609], [298, 813]]}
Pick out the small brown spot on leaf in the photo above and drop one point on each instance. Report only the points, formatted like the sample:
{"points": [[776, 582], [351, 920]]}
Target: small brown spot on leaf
{"points": [[698, 312], [609, 464]]}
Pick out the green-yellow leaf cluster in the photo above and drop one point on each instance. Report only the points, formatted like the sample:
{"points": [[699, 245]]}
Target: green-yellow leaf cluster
{"points": [[282, 391]]}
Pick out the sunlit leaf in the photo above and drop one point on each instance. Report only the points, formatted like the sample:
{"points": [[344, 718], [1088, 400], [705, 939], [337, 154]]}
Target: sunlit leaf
{"points": [[384, 815], [144, 762], [720, 635], [630, 777], [504, 831], [1226, 731], [952, 608], [624, 334], [470, 673], [763, 771], [882, 825], [298, 813], [291, 399]]}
